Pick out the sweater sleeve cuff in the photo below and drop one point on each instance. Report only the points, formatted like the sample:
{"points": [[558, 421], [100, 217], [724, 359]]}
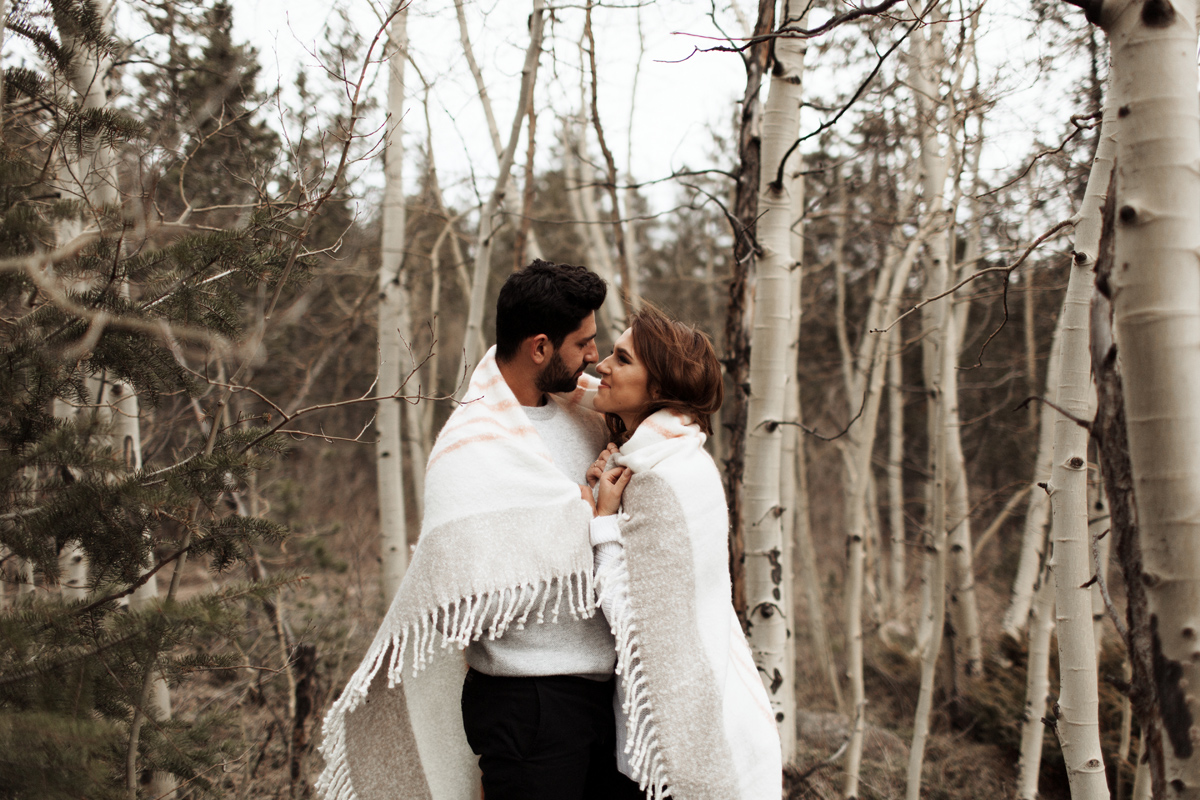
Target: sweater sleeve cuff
{"points": [[605, 529]]}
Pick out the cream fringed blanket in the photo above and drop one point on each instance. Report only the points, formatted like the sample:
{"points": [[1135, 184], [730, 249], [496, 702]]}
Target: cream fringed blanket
{"points": [[697, 723], [501, 523]]}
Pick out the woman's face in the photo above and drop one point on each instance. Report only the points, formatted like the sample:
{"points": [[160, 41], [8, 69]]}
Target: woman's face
{"points": [[624, 389]]}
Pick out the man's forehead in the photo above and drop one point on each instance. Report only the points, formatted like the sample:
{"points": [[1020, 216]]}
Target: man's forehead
{"points": [[587, 328]]}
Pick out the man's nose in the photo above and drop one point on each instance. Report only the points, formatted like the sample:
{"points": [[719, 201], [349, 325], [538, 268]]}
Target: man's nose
{"points": [[592, 355]]}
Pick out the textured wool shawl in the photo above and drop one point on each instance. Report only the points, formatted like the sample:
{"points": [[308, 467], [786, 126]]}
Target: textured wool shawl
{"points": [[503, 528], [697, 721]]}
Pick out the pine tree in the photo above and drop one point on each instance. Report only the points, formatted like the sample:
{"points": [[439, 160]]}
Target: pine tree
{"points": [[119, 304]]}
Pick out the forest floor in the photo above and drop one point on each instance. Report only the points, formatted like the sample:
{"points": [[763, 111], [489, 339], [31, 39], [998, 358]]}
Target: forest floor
{"points": [[331, 610]]}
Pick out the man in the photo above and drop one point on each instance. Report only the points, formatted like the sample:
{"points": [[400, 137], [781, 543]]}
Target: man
{"points": [[503, 568], [537, 703]]}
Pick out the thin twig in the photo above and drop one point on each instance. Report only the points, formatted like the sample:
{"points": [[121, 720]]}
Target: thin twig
{"points": [[1098, 577], [1083, 423], [979, 274]]}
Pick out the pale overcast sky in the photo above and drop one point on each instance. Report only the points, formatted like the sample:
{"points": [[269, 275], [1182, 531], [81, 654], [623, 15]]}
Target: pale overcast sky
{"points": [[678, 102]]}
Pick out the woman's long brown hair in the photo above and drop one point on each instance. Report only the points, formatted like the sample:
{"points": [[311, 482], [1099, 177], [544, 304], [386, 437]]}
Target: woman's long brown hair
{"points": [[683, 373]]}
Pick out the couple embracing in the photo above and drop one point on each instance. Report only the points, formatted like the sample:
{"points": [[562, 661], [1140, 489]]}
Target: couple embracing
{"points": [[574, 549]]}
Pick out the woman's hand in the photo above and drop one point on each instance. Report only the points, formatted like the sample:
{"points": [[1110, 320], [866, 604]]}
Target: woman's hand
{"points": [[612, 486], [600, 464], [585, 492]]}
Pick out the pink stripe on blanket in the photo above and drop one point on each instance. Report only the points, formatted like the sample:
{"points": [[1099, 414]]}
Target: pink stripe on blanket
{"points": [[666, 433], [517, 431], [481, 437], [489, 383]]}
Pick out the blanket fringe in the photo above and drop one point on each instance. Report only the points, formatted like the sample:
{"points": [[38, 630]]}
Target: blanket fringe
{"points": [[641, 728], [459, 622]]}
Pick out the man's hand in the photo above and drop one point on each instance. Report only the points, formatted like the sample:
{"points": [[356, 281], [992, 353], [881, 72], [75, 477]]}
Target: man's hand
{"points": [[612, 486], [600, 464]]}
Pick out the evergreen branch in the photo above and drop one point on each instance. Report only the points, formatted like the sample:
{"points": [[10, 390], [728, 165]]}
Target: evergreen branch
{"points": [[131, 588], [72, 656], [139, 713], [39, 269]]}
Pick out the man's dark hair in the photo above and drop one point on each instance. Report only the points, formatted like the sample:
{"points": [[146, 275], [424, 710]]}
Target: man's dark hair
{"points": [[544, 298]]}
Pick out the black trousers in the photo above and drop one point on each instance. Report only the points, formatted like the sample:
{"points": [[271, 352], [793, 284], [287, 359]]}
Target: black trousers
{"points": [[544, 738]]}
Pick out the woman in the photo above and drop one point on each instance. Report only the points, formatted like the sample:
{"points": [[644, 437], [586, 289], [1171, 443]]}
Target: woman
{"points": [[693, 721]]}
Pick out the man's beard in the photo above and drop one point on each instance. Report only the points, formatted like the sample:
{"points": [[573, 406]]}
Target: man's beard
{"points": [[556, 377]]}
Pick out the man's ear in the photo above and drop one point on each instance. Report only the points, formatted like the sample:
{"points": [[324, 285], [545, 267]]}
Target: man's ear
{"points": [[539, 348]]}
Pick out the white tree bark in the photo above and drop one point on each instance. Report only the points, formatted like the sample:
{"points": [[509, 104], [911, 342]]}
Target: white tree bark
{"points": [[895, 475], [869, 373], [581, 197], [1077, 710], [393, 310], [936, 553], [769, 608], [793, 480], [509, 202], [1156, 316], [1037, 515], [483, 244], [963, 601], [1037, 687], [940, 351]]}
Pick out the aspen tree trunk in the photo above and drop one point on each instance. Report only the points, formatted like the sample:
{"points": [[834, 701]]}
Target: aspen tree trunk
{"points": [[1141, 777], [963, 600], [90, 177], [739, 311], [120, 417], [928, 61], [1030, 347], [509, 203], [1037, 687], [1099, 523], [856, 455], [790, 503], [797, 532], [940, 350], [73, 565], [876, 577], [630, 283], [393, 310], [1156, 319], [460, 271], [580, 195], [483, 245], [895, 474], [793, 493], [943, 361], [1037, 515], [934, 169], [768, 608], [1077, 710]]}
